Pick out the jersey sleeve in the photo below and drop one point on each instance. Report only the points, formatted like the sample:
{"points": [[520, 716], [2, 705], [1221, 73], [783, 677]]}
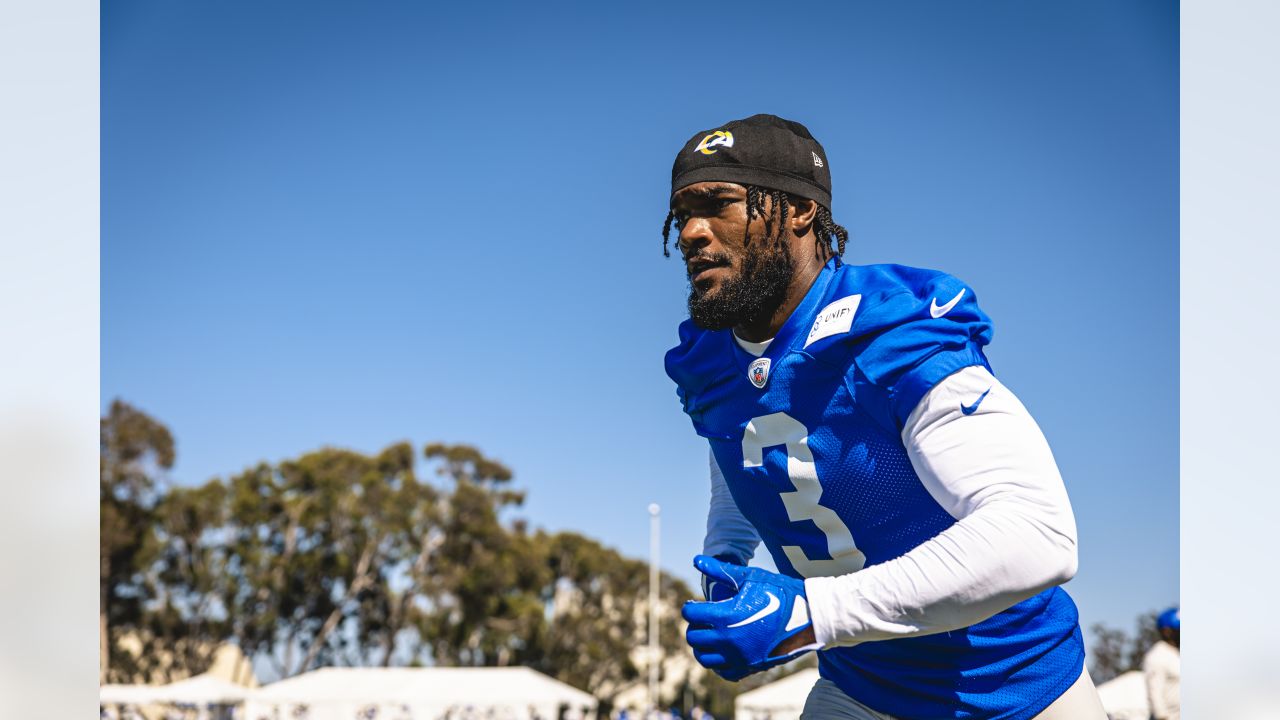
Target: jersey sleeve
{"points": [[927, 329], [1014, 535]]}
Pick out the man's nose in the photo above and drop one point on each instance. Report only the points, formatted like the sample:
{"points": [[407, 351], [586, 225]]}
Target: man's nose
{"points": [[694, 234]]}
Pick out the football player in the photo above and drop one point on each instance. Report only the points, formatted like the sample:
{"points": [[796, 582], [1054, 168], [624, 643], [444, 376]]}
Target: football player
{"points": [[909, 501]]}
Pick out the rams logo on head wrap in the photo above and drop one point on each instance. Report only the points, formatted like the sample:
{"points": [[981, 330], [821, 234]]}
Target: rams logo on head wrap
{"points": [[709, 144]]}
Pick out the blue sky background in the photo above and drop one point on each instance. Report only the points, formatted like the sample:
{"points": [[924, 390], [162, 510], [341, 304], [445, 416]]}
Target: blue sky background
{"points": [[350, 224]]}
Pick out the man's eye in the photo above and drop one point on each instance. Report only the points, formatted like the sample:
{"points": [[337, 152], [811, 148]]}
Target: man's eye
{"points": [[723, 204]]}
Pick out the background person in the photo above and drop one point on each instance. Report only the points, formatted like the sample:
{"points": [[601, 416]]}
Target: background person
{"points": [[1162, 667]]}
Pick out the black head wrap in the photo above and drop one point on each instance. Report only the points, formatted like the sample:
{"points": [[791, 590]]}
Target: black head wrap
{"points": [[762, 150]]}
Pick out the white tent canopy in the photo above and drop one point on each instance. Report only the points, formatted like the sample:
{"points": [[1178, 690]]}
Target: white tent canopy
{"points": [[201, 690], [781, 700], [126, 694], [205, 692], [1125, 697], [416, 693]]}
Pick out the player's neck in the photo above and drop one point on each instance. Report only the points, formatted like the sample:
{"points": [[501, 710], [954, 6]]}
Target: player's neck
{"points": [[799, 287]]}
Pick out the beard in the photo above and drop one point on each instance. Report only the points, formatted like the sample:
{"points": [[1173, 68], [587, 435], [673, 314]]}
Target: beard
{"points": [[749, 298]]}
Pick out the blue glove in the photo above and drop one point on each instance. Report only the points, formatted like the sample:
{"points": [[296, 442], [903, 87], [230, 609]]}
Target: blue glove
{"points": [[740, 635], [716, 589]]}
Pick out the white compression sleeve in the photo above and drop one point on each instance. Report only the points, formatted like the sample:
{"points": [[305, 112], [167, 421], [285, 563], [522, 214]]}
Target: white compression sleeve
{"points": [[728, 532], [1014, 535]]}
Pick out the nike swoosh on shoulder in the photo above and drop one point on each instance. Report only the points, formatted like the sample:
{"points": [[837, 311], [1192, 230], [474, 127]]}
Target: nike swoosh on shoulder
{"points": [[766, 611], [938, 311]]}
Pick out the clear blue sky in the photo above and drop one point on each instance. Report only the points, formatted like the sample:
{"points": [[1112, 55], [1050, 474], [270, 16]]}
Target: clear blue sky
{"points": [[355, 223]]}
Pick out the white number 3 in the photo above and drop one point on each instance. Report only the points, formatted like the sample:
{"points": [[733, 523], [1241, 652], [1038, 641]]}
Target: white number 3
{"points": [[782, 429]]}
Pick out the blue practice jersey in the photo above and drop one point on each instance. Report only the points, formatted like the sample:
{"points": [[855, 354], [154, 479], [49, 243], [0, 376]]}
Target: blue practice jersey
{"points": [[808, 437]]}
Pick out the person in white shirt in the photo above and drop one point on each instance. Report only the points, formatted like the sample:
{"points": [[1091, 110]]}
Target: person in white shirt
{"points": [[1162, 667]]}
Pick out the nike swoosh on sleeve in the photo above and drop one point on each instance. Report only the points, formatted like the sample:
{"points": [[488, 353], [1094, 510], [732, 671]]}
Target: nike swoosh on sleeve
{"points": [[766, 611], [971, 409], [937, 311]]}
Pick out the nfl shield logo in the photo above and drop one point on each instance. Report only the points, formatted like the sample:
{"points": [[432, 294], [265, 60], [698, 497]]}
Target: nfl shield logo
{"points": [[758, 372]]}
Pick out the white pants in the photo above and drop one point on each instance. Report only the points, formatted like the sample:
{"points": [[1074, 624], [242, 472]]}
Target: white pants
{"points": [[828, 702]]}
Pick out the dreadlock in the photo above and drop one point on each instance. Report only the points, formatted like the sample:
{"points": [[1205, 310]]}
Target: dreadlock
{"points": [[666, 232], [824, 228]]}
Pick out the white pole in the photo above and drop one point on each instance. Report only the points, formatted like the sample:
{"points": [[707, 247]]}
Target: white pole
{"points": [[655, 520]]}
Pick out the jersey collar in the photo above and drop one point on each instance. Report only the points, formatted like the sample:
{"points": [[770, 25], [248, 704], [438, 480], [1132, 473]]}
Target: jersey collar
{"points": [[797, 323]]}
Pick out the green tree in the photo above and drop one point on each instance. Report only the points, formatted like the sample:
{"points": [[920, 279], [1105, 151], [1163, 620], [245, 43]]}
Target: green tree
{"points": [[598, 607], [134, 452], [412, 521], [594, 593], [187, 579], [311, 538], [489, 617], [341, 557]]}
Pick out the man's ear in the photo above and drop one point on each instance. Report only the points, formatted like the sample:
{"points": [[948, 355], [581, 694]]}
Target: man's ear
{"points": [[802, 219]]}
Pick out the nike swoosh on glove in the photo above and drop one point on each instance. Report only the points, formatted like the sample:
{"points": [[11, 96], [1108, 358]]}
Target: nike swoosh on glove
{"points": [[740, 635], [717, 589]]}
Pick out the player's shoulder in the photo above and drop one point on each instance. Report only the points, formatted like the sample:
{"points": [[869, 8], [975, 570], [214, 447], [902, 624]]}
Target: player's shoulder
{"points": [[698, 357], [887, 286], [855, 303], [887, 275], [866, 300]]}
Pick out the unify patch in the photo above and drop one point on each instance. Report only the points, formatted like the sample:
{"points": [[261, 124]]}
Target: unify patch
{"points": [[834, 319]]}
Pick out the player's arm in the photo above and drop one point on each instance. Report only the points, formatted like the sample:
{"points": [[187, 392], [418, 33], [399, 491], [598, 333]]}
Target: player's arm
{"points": [[716, 632], [730, 536], [985, 461]]}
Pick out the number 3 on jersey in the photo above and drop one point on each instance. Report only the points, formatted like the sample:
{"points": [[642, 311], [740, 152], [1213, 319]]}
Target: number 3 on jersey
{"points": [[781, 429]]}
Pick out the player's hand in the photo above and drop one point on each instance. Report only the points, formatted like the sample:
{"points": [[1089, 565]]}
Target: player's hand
{"points": [[764, 622], [720, 587]]}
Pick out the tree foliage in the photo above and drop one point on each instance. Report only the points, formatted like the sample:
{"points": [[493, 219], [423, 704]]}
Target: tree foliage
{"points": [[342, 558], [1115, 652], [134, 452]]}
